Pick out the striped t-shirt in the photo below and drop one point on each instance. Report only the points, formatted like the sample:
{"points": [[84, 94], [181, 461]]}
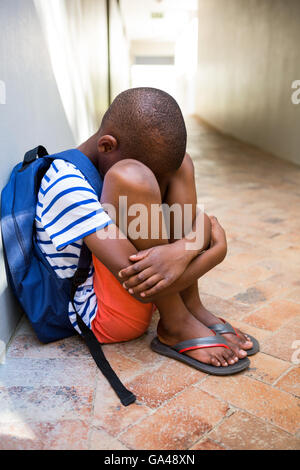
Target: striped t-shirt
{"points": [[68, 210]]}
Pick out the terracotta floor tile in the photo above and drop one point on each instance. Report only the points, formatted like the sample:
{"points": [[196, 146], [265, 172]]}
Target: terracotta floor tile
{"points": [[57, 435], [139, 350], [100, 440], [285, 240], [266, 368], [225, 308], [110, 414], [242, 431], [177, 424], [125, 367], [48, 372], [290, 382], [28, 346], [211, 286], [261, 292], [206, 444], [163, 383], [274, 315], [264, 401], [18, 403], [244, 260], [283, 343], [251, 296], [271, 263], [293, 295], [290, 257], [244, 278], [235, 248]]}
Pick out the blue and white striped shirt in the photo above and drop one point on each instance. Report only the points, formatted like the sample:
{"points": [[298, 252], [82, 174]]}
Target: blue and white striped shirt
{"points": [[68, 210]]}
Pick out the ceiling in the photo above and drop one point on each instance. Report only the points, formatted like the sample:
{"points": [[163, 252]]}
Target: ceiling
{"points": [[171, 17]]}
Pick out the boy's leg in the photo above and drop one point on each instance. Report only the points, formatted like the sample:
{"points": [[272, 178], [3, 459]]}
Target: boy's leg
{"points": [[182, 190], [135, 181]]}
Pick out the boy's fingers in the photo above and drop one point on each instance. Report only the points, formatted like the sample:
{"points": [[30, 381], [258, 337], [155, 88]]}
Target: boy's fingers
{"points": [[152, 281], [133, 269], [137, 279], [139, 256], [159, 287], [215, 221]]}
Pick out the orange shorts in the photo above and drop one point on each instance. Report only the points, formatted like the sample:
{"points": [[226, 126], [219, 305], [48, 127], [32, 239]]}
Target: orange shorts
{"points": [[120, 317]]}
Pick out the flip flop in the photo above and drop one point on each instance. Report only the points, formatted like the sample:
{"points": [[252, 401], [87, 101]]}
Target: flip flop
{"points": [[177, 352], [225, 327]]}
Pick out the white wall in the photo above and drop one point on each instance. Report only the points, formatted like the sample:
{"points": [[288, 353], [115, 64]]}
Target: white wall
{"points": [[53, 65], [76, 36], [32, 114], [249, 55], [186, 52], [119, 52]]}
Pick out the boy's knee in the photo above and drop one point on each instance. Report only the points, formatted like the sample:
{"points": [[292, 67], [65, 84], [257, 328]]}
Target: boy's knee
{"points": [[132, 175], [186, 171]]}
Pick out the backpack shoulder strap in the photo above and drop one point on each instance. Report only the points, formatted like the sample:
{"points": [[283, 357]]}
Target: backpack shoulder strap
{"points": [[126, 396], [83, 164]]}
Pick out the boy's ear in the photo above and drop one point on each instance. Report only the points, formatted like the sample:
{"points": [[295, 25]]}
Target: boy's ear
{"points": [[107, 143]]}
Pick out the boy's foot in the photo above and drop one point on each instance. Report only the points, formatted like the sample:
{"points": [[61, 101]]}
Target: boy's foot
{"points": [[191, 328], [239, 343]]}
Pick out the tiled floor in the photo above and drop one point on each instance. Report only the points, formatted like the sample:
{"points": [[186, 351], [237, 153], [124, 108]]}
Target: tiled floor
{"points": [[53, 397]]}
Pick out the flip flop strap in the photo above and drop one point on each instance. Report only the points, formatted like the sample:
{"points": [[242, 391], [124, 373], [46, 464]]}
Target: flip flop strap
{"points": [[222, 328], [199, 343]]}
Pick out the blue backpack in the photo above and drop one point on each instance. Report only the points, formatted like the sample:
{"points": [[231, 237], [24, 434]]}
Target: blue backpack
{"points": [[42, 294]]}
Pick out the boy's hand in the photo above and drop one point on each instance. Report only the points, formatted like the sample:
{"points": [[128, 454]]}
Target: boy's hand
{"points": [[155, 269]]}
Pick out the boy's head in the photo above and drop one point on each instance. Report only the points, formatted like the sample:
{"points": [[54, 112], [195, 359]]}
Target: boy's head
{"points": [[147, 125]]}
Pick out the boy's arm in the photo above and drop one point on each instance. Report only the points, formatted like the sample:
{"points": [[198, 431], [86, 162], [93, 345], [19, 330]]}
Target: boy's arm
{"points": [[200, 265], [167, 262], [111, 247], [114, 250]]}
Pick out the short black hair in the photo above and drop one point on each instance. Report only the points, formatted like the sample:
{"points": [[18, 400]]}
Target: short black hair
{"points": [[149, 127]]}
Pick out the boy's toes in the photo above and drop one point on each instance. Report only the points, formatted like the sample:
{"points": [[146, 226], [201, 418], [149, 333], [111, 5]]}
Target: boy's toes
{"points": [[228, 357], [215, 362], [242, 353], [248, 343], [224, 363], [222, 357], [236, 348], [233, 358], [245, 341], [244, 345]]}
